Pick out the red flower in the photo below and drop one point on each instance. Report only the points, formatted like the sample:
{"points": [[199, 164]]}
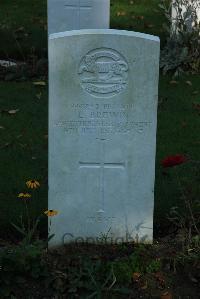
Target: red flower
{"points": [[171, 161]]}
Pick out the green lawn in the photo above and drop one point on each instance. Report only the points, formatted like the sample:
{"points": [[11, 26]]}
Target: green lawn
{"points": [[23, 135], [23, 25]]}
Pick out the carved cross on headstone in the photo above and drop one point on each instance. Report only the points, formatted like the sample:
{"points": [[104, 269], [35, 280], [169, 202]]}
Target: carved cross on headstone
{"points": [[102, 165], [79, 6]]}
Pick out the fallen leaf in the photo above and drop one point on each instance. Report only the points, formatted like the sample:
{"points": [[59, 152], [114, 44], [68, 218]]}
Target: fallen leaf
{"points": [[38, 96], [166, 295], [39, 83], [149, 25], [188, 83], [121, 13], [13, 111], [20, 29], [195, 92], [136, 276], [144, 285], [141, 17], [192, 278], [196, 106], [173, 82], [6, 144]]}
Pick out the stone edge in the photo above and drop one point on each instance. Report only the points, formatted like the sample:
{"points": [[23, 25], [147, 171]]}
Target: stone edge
{"points": [[104, 32]]}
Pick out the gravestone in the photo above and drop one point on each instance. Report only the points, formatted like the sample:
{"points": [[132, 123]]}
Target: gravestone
{"points": [[102, 135], [78, 14], [190, 12]]}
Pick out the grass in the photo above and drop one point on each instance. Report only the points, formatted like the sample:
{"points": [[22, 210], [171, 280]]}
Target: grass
{"points": [[23, 147], [23, 28], [23, 135], [23, 25]]}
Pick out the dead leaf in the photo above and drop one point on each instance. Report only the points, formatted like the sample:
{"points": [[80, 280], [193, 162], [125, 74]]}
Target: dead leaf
{"points": [[39, 83], [149, 25], [159, 276], [195, 92], [136, 276], [196, 106], [38, 95], [121, 13], [13, 111], [144, 285], [131, 2], [173, 82], [166, 295], [2, 128], [188, 83], [20, 29], [140, 17]]}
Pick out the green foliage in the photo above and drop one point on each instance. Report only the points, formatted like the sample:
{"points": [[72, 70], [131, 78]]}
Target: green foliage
{"points": [[182, 50], [140, 261], [19, 264]]}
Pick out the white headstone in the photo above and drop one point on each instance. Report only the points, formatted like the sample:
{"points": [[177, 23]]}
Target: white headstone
{"points": [[102, 134], [66, 15], [190, 12]]}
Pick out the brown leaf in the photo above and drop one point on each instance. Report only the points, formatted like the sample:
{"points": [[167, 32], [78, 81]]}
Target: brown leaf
{"points": [[121, 13], [149, 25], [140, 17], [166, 295], [173, 82], [136, 276], [196, 106], [144, 285], [159, 276], [184, 124]]}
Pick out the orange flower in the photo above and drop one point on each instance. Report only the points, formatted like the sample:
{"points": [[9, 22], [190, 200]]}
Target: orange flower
{"points": [[51, 213], [24, 195], [33, 184]]}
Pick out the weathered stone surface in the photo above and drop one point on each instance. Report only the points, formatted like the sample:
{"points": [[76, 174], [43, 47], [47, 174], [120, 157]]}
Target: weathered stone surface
{"points": [[78, 14], [102, 134]]}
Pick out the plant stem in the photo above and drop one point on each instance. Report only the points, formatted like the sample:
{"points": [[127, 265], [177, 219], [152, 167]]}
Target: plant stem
{"points": [[187, 203]]}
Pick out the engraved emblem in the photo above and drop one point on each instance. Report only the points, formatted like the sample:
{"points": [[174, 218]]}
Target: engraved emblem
{"points": [[103, 72]]}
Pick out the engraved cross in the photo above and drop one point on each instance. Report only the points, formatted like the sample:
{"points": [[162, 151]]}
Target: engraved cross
{"points": [[102, 165], [79, 6]]}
